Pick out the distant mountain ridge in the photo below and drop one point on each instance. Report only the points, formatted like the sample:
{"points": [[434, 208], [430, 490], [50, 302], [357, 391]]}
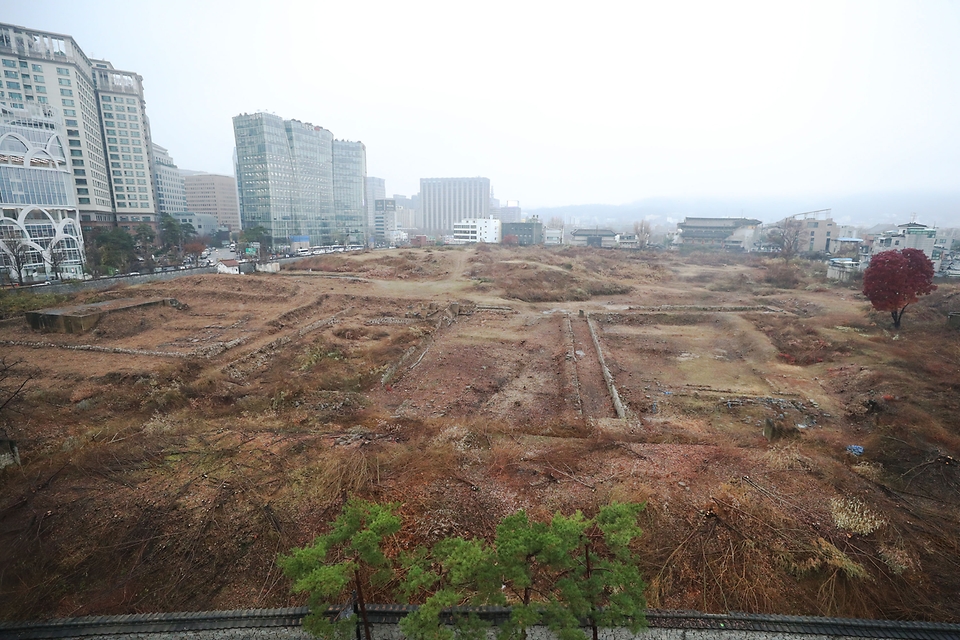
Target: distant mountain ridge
{"points": [[941, 209]]}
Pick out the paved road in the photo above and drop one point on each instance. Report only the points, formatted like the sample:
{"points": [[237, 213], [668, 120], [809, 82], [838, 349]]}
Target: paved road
{"points": [[221, 254]]}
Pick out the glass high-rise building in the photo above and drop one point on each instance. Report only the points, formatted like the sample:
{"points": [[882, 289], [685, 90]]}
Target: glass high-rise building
{"points": [[349, 171], [289, 183]]}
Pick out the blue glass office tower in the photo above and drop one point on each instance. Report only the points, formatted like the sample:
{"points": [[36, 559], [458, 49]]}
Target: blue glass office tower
{"points": [[293, 180]]}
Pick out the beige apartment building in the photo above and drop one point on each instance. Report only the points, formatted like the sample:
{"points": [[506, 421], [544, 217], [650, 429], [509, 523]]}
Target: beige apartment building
{"points": [[215, 195]]}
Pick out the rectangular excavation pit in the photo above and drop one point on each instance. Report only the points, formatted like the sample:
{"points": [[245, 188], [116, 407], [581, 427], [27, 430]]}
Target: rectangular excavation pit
{"points": [[82, 318]]}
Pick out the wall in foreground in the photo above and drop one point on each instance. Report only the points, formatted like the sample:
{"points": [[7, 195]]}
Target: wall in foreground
{"points": [[285, 624]]}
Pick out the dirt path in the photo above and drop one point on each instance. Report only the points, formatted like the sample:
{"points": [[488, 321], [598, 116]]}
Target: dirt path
{"points": [[593, 390]]}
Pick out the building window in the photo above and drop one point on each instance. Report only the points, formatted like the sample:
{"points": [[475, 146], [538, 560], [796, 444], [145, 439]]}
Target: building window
{"points": [[11, 74], [122, 205], [63, 72], [79, 172], [84, 200], [64, 82], [76, 152], [112, 148], [41, 89], [74, 143], [9, 63], [37, 78], [131, 101], [66, 92], [70, 112], [83, 191], [68, 103], [13, 85], [14, 96], [42, 100], [37, 67], [114, 156]]}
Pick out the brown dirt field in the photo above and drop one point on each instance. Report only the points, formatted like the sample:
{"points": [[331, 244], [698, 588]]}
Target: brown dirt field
{"points": [[170, 454]]}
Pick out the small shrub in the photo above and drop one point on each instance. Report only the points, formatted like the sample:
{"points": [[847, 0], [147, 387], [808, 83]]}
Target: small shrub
{"points": [[853, 515], [782, 276]]}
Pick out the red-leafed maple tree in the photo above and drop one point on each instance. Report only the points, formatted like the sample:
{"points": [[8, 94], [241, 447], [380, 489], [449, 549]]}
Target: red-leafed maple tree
{"points": [[896, 279]]}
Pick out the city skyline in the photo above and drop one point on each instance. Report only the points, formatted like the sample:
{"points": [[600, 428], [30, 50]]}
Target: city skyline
{"points": [[612, 105]]}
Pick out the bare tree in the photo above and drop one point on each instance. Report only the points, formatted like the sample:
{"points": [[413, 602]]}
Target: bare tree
{"points": [[555, 222], [14, 376], [787, 237], [642, 230], [19, 256], [57, 256]]}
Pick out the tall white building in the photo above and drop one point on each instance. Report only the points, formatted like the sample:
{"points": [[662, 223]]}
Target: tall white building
{"points": [[102, 110], [127, 134], [374, 189], [446, 201], [171, 193]]}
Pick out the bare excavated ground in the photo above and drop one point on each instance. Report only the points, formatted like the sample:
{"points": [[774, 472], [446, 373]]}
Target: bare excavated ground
{"points": [[170, 454]]}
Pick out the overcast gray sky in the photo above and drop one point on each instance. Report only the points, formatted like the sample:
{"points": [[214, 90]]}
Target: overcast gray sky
{"points": [[558, 103]]}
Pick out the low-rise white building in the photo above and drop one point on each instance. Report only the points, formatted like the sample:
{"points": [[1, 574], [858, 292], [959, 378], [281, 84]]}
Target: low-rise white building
{"points": [[477, 230], [553, 237], [912, 235]]}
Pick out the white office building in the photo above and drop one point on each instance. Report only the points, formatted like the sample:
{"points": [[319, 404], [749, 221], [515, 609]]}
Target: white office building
{"points": [[373, 189], [470, 230], [171, 193]]}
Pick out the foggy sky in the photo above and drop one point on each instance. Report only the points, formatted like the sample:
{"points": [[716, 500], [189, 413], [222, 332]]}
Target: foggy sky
{"points": [[559, 103]]}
